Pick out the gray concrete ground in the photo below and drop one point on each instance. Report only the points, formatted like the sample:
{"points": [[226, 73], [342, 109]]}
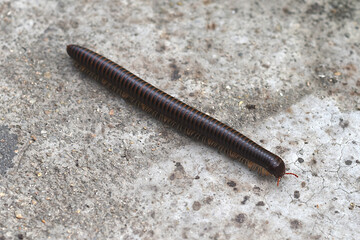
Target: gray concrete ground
{"points": [[79, 162]]}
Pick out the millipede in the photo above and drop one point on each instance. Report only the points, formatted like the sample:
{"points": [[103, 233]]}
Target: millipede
{"points": [[176, 113]]}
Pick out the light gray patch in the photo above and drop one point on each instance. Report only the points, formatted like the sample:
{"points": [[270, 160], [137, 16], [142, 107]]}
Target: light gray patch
{"points": [[8, 144]]}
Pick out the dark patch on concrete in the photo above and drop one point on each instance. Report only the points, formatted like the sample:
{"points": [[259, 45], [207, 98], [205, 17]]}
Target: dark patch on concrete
{"points": [[208, 44], [343, 123], [287, 11], [250, 106], [160, 47], [341, 10], [246, 198], [300, 160], [175, 75], [184, 234], [179, 167], [172, 176], [151, 233], [8, 144], [315, 9], [240, 218], [296, 194], [196, 206], [348, 162], [260, 204], [178, 173], [264, 65], [295, 224], [257, 190], [281, 150], [211, 26], [231, 183], [208, 200]]}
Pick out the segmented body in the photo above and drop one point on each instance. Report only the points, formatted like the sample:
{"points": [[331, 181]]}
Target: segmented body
{"points": [[178, 113]]}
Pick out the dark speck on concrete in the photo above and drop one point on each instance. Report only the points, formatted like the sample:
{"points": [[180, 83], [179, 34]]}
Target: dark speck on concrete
{"points": [[286, 10], [295, 224], [196, 206], [8, 144], [250, 106], [296, 194], [175, 75], [341, 9], [208, 200], [245, 200], [300, 160], [172, 177], [240, 218], [260, 204], [179, 167], [315, 9], [343, 123], [231, 183], [257, 190], [348, 162]]}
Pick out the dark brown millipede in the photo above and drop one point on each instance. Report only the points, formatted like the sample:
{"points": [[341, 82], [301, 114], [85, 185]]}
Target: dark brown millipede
{"points": [[177, 113]]}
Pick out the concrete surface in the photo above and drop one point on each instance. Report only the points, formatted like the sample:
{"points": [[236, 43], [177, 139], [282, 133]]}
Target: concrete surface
{"points": [[78, 162]]}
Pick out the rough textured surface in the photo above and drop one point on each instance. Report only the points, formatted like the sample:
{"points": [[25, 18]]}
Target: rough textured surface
{"points": [[90, 166]]}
